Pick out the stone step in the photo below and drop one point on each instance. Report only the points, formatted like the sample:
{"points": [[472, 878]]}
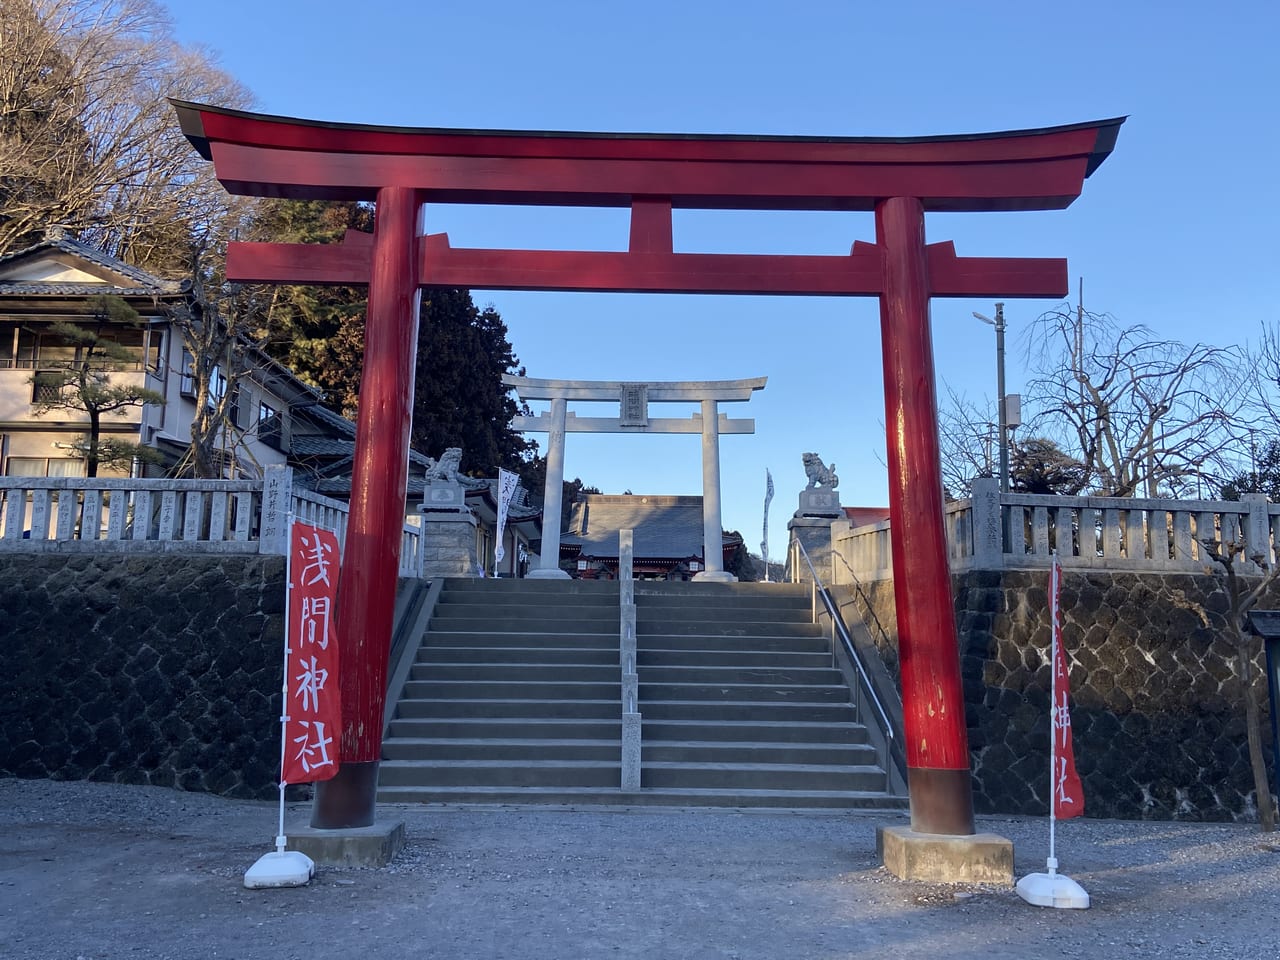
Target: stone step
{"points": [[507, 672], [521, 612], [501, 773], [717, 674], [485, 748], [436, 639], [610, 709], [755, 752], [715, 613], [446, 622], [833, 800], [721, 710], [796, 694], [508, 728], [571, 690], [760, 642], [751, 776], [652, 627], [750, 659], [658, 730], [451, 596], [569, 656], [585, 590], [700, 589]]}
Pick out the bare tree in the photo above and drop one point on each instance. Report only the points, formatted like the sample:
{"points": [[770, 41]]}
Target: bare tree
{"points": [[967, 441], [1147, 417], [87, 136], [217, 336], [1241, 602]]}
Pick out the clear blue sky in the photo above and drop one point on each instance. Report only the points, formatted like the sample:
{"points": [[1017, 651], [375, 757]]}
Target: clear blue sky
{"points": [[1176, 230]]}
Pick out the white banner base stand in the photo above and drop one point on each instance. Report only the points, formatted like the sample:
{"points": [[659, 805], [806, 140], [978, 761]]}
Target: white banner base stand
{"points": [[280, 868], [1052, 889]]}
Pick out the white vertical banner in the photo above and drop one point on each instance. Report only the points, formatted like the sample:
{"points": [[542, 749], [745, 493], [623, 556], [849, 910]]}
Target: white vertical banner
{"points": [[507, 483]]}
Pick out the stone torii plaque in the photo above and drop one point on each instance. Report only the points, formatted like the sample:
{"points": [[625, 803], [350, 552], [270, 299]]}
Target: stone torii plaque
{"points": [[633, 417]]}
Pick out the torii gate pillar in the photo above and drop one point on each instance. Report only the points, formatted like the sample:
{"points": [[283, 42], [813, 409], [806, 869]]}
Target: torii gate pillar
{"points": [[380, 471], [937, 754]]}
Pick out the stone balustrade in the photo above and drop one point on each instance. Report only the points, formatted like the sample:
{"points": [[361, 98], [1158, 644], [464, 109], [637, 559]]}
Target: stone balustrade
{"points": [[1104, 533], [156, 515]]}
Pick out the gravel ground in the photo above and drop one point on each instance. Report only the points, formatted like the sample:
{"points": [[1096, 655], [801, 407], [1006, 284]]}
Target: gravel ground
{"points": [[92, 870]]}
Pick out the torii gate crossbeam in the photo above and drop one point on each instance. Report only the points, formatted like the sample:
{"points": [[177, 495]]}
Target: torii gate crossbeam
{"points": [[900, 179]]}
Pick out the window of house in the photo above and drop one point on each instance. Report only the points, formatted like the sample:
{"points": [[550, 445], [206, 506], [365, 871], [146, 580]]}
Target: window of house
{"points": [[188, 388], [8, 345], [47, 387], [270, 425], [217, 386], [44, 467], [153, 348]]}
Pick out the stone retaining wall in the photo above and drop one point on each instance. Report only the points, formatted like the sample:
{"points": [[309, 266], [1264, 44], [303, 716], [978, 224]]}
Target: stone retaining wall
{"points": [[143, 669], [1157, 711]]}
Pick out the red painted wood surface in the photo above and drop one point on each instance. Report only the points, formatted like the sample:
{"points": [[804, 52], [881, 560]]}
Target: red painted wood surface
{"points": [[1013, 170], [933, 702], [647, 271], [371, 557]]}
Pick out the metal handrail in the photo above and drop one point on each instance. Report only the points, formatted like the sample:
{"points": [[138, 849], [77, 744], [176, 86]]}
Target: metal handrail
{"points": [[838, 623]]}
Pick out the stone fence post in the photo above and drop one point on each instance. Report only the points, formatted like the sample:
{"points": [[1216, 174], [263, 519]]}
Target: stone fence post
{"points": [[277, 501], [988, 538], [1257, 532]]}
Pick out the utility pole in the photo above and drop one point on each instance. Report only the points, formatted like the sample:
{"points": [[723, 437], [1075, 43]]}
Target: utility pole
{"points": [[998, 323]]}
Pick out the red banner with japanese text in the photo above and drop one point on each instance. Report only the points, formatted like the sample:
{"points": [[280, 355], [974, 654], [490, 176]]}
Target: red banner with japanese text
{"points": [[313, 708], [1068, 792]]}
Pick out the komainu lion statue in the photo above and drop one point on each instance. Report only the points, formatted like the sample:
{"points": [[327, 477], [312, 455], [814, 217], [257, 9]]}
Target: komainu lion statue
{"points": [[446, 468], [819, 474]]}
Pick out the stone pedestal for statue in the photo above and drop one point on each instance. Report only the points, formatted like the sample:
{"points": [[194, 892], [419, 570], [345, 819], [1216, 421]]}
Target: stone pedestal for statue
{"points": [[820, 502], [448, 532], [814, 533], [443, 495]]}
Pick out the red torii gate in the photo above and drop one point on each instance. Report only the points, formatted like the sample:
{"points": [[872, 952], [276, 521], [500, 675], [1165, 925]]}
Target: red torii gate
{"points": [[900, 179]]}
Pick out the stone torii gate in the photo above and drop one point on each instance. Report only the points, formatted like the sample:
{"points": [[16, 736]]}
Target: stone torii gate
{"points": [[898, 178], [633, 408]]}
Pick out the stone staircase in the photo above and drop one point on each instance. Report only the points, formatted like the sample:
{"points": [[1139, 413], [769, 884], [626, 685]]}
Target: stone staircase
{"points": [[514, 697]]}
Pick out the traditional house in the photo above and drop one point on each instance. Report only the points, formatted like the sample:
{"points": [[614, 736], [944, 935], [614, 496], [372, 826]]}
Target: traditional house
{"points": [[58, 279]]}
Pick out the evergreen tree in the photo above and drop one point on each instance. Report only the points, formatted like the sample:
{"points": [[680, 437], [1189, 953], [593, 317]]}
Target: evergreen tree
{"points": [[318, 332], [1263, 478], [459, 399]]}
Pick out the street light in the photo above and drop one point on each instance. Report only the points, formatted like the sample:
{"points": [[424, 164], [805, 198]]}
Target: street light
{"points": [[998, 323]]}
